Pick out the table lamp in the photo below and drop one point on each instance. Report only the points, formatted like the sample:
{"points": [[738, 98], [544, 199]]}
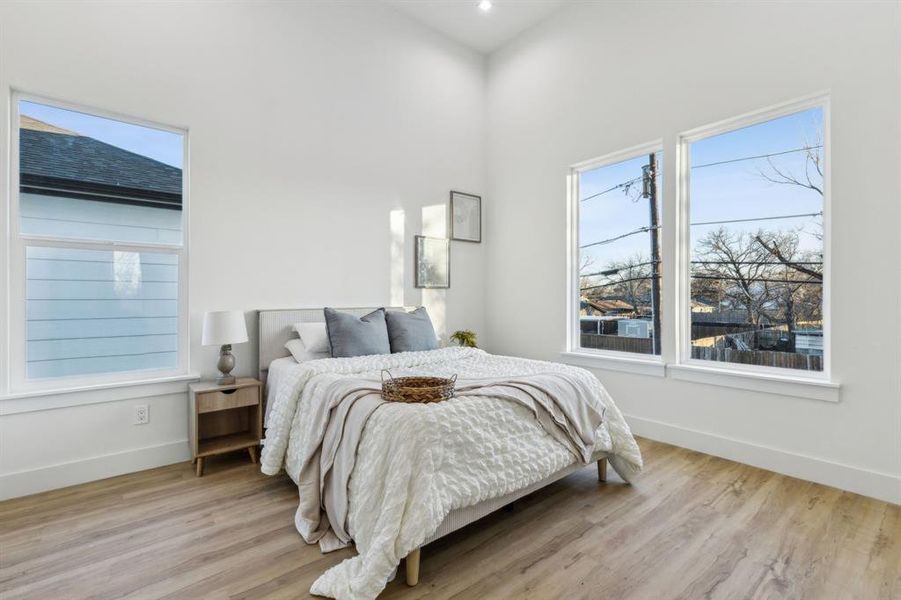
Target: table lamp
{"points": [[224, 328]]}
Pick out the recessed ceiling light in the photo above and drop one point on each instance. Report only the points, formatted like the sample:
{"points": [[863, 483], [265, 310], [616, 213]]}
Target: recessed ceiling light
{"points": [[485, 5]]}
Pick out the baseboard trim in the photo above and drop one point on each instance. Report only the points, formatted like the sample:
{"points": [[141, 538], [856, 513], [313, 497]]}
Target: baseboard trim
{"points": [[874, 484], [24, 483]]}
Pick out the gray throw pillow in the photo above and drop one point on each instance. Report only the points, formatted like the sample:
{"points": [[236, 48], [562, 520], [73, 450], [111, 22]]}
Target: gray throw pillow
{"points": [[411, 331], [357, 336]]}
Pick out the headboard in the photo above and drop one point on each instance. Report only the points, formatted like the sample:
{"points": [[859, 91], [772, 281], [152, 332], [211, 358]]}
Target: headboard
{"points": [[275, 328]]}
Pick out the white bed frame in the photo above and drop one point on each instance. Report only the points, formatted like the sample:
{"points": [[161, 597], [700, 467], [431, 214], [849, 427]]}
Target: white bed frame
{"points": [[275, 328]]}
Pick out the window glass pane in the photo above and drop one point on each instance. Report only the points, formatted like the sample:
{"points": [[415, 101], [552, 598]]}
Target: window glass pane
{"points": [[90, 311], [619, 255], [757, 244], [88, 177]]}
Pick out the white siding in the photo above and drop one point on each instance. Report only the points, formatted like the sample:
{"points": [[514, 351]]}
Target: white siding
{"points": [[96, 220], [91, 311]]}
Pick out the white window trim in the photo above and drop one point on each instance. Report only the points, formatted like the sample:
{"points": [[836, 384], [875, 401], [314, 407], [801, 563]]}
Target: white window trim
{"points": [[37, 401], [783, 385], [647, 363], [683, 241], [615, 361], [16, 386], [676, 361]]}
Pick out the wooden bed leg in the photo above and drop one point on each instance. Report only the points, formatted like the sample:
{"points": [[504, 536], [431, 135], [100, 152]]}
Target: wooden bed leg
{"points": [[602, 470], [413, 567]]}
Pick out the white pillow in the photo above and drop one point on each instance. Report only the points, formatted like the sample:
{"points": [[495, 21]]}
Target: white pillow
{"points": [[300, 352], [314, 336]]}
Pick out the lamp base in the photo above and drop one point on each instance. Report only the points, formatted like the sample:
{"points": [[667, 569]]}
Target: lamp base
{"points": [[225, 365]]}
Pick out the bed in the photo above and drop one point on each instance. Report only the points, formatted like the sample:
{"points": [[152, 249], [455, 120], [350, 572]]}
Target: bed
{"points": [[393, 513]]}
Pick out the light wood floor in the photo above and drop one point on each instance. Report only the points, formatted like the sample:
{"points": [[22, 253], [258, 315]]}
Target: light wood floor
{"points": [[693, 526]]}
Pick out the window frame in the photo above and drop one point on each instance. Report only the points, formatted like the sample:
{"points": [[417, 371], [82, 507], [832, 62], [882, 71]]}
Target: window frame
{"points": [[633, 361], [17, 383], [713, 370]]}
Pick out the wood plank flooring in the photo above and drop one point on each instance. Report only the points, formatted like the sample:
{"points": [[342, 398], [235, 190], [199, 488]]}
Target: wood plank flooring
{"points": [[693, 526]]}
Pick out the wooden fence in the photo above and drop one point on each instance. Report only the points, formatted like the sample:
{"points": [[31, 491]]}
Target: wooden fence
{"points": [[705, 330], [729, 340], [766, 358], [616, 342]]}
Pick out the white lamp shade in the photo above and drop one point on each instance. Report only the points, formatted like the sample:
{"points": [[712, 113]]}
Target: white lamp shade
{"points": [[224, 327]]}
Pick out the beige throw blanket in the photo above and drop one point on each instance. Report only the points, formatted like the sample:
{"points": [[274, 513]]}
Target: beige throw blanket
{"points": [[564, 406]]}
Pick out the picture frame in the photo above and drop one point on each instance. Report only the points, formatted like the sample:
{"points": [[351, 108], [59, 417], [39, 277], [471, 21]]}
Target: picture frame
{"points": [[465, 217], [432, 262]]}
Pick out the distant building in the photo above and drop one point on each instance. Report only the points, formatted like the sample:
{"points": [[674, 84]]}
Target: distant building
{"points": [[702, 306], [809, 341], [637, 328], [605, 308]]}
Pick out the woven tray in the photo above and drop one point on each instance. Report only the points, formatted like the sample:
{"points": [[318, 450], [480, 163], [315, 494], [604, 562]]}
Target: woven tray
{"points": [[417, 389]]}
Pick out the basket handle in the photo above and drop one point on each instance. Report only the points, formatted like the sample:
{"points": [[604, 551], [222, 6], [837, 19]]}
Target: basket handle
{"points": [[390, 376], [453, 379]]}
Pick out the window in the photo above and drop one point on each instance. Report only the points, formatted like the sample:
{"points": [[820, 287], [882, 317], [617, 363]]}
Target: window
{"points": [[616, 203], [755, 240], [98, 248]]}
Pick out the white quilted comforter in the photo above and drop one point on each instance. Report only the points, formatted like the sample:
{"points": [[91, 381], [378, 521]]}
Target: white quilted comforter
{"points": [[418, 462]]}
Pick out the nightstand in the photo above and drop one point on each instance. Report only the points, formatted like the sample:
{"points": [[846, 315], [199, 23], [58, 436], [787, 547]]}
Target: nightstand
{"points": [[225, 418]]}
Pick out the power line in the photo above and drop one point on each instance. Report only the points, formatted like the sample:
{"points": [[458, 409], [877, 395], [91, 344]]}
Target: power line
{"points": [[734, 160], [619, 237], [608, 272], [748, 220], [614, 188], [816, 214], [756, 280], [622, 281], [713, 164], [753, 262]]}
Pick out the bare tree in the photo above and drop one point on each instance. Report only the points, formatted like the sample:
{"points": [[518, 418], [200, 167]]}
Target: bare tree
{"points": [[812, 177], [586, 262], [796, 301], [738, 268], [739, 264], [630, 280], [779, 252]]}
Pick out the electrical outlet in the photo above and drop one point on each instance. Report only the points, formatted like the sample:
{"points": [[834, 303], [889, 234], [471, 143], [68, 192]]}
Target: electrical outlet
{"points": [[142, 414]]}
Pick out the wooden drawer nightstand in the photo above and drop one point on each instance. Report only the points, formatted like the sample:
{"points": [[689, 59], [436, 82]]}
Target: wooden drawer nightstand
{"points": [[224, 418]]}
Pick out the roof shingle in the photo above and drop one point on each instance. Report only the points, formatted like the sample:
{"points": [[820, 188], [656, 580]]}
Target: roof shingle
{"points": [[80, 160]]}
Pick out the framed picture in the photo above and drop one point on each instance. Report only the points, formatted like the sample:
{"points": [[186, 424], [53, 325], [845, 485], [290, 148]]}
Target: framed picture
{"points": [[432, 262], [465, 217]]}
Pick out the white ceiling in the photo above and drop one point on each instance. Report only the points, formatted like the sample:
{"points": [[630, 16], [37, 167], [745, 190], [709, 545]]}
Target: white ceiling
{"points": [[464, 22]]}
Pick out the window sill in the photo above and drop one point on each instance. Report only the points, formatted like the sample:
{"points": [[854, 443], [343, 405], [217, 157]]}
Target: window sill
{"points": [[783, 385], [627, 364], [798, 387], [38, 400]]}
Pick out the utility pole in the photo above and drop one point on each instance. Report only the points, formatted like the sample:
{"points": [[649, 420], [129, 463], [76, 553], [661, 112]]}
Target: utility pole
{"points": [[650, 192]]}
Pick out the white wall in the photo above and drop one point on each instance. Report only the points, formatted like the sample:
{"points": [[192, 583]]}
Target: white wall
{"points": [[601, 77], [310, 123]]}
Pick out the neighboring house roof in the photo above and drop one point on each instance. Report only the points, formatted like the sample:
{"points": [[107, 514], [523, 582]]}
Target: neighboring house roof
{"points": [[608, 305], [55, 161], [26, 122], [699, 305]]}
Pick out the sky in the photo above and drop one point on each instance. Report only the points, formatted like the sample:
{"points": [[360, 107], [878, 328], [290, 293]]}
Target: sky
{"points": [[723, 192], [163, 146]]}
